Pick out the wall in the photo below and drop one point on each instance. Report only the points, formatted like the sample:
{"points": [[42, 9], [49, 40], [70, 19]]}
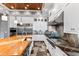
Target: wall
{"points": [[39, 25], [56, 11], [71, 23], [71, 18], [4, 28], [0, 25]]}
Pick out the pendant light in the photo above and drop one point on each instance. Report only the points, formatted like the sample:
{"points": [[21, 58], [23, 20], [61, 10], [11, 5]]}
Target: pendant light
{"points": [[21, 21], [15, 21]]}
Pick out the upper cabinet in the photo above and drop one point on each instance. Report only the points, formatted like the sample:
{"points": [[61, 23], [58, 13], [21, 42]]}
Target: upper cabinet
{"points": [[19, 19], [11, 22], [71, 18]]}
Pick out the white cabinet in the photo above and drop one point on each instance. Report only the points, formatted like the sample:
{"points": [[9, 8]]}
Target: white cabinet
{"points": [[11, 21], [27, 19], [19, 19], [71, 18]]}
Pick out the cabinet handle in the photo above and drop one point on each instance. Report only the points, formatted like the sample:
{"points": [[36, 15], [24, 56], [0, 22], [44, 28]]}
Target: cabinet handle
{"points": [[72, 28]]}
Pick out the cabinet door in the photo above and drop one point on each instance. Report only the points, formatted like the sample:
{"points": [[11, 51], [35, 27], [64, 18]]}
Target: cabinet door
{"points": [[4, 28], [18, 18], [71, 18], [11, 21]]}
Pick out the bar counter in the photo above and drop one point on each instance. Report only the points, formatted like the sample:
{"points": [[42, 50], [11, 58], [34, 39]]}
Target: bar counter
{"points": [[14, 46]]}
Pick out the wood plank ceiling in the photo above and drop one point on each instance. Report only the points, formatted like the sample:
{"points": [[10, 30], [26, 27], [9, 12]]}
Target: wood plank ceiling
{"points": [[24, 6]]}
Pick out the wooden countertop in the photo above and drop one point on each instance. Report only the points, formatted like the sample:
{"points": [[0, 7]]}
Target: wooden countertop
{"points": [[12, 46], [13, 49], [15, 38]]}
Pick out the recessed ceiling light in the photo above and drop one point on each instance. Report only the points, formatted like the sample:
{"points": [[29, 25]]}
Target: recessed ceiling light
{"points": [[38, 8], [12, 7], [25, 7]]}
